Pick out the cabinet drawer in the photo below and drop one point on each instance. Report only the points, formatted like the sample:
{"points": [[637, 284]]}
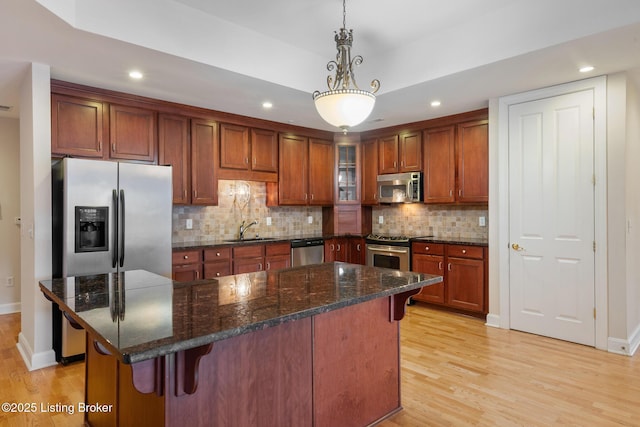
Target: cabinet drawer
{"points": [[462, 251], [217, 254], [278, 249], [185, 257], [427, 248], [213, 270], [248, 251]]}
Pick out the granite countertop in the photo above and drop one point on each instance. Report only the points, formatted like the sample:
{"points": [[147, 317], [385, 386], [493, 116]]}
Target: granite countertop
{"points": [[210, 242], [453, 240], [139, 315]]}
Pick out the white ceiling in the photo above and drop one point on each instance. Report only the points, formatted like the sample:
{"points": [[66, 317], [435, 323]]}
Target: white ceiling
{"points": [[233, 55]]}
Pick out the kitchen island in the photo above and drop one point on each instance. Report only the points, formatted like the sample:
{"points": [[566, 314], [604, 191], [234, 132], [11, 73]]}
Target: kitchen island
{"points": [[306, 346]]}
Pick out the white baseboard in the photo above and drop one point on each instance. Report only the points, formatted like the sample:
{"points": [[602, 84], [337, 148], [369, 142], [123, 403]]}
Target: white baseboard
{"points": [[34, 360], [493, 320], [626, 347], [13, 307]]}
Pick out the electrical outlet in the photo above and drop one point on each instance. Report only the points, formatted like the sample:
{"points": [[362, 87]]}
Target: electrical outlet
{"points": [[268, 220], [310, 219], [9, 281], [482, 221], [189, 224], [380, 219]]}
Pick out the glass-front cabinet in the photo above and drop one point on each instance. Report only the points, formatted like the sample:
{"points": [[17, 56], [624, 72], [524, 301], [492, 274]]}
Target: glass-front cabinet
{"points": [[347, 173]]}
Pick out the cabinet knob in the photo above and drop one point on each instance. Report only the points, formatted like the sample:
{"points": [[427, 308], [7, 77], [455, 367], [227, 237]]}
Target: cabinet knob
{"points": [[186, 257], [217, 274], [426, 248], [464, 251], [217, 253]]}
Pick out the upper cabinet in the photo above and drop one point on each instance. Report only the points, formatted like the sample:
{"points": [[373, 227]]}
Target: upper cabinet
{"points": [[247, 153], [456, 163], [305, 175], [400, 153], [132, 133], [369, 175], [77, 127], [190, 147], [347, 181]]}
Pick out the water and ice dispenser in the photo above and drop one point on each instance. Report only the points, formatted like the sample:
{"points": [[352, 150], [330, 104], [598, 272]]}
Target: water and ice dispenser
{"points": [[91, 230]]}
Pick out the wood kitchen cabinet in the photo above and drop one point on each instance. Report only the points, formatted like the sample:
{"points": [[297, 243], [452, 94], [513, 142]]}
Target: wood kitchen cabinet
{"points": [[252, 258], [186, 265], [305, 175], [277, 256], [247, 153], [400, 153], [456, 163], [217, 262], [190, 147], [369, 174], [463, 268], [174, 149], [347, 173], [336, 249], [132, 133], [77, 127], [357, 253]]}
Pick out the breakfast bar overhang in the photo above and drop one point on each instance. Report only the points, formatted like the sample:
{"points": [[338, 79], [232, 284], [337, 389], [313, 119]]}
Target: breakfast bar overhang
{"points": [[306, 346]]}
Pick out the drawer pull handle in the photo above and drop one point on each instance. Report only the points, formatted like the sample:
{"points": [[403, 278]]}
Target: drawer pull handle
{"points": [[186, 257], [426, 248], [464, 251], [217, 274], [217, 253]]}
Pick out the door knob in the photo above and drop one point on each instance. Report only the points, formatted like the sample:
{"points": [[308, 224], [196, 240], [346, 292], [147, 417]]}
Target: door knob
{"points": [[517, 247]]}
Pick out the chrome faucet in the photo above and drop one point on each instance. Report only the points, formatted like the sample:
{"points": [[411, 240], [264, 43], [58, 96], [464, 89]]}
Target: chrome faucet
{"points": [[244, 228]]}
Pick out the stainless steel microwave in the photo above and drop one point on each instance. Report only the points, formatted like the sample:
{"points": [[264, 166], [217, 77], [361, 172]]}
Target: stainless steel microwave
{"points": [[400, 187]]}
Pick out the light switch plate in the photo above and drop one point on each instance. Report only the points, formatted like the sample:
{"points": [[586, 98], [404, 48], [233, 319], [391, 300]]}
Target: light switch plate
{"points": [[310, 219], [482, 221], [268, 220], [189, 224], [380, 219]]}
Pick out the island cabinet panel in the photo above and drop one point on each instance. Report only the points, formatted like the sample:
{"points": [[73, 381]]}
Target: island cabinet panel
{"points": [[261, 379], [345, 393], [76, 127], [132, 133]]}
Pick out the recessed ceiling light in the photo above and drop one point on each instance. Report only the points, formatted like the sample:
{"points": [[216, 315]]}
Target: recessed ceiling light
{"points": [[267, 105], [135, 74], [435, 103], [586, 69]]}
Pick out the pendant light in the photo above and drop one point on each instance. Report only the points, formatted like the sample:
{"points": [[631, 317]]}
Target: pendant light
{"points": [[345, 105]]}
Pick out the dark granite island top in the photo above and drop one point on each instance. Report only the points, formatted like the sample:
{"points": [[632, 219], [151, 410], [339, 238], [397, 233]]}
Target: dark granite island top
{"points": [[137, 315]]}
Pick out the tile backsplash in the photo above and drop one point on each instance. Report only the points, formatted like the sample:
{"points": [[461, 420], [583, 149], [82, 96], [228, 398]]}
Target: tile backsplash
{"points": [[246, 200], [236, 204]]}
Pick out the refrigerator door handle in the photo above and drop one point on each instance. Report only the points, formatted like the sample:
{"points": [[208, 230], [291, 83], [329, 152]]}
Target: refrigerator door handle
{"points": [[122, 233], [114, 247]]}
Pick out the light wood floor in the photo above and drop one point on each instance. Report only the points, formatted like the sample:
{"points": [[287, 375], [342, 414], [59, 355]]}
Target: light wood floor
{"points": [[455, 372]]}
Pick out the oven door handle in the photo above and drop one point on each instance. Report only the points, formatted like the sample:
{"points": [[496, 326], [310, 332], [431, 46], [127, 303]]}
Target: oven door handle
{"points": [[395, 251]]}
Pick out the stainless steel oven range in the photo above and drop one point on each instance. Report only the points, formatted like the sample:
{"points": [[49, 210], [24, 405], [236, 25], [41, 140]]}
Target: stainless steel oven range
{"points": [[389, 252]]}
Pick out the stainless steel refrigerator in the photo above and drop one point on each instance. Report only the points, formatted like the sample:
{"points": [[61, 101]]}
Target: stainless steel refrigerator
{"points": [[107, 217]]}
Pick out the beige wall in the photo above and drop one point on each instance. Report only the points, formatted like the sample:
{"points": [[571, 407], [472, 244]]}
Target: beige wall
{"points": [[9, 209]]}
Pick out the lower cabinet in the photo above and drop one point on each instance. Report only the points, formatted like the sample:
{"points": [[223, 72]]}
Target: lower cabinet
{"points": [[186, 265], [463, 268], [345, 249]]}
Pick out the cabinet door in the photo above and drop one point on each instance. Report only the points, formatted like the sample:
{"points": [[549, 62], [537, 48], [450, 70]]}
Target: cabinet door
{"points": [[320, 172], [410, 153], [173, 147], [76, 127], [264, 150], [430, 264], [277, 262], [186, 272], [329, 250], [213, 270], [293, 170], [341, 250], [370, 172], [356, 253], [473, 161], [204, 155], [234, 147], [132, 133], [347, 182], [465, 284], [388, 154], [247, 265], [439, 165]]}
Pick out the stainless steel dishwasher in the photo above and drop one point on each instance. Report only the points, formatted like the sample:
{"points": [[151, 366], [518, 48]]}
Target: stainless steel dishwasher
{"points": [[307, 251]]}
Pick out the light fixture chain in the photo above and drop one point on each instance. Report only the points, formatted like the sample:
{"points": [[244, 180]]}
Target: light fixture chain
{"points": [[344, 14]]}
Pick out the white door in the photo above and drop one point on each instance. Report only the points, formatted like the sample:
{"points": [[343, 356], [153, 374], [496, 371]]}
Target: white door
{"points": [[551, 230]]}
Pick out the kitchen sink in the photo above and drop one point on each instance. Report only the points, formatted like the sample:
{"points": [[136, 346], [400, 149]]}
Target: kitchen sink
{"points": [[249, 240]]}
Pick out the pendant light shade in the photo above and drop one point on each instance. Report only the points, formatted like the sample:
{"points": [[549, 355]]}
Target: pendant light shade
{"points": [[342, 105]]}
